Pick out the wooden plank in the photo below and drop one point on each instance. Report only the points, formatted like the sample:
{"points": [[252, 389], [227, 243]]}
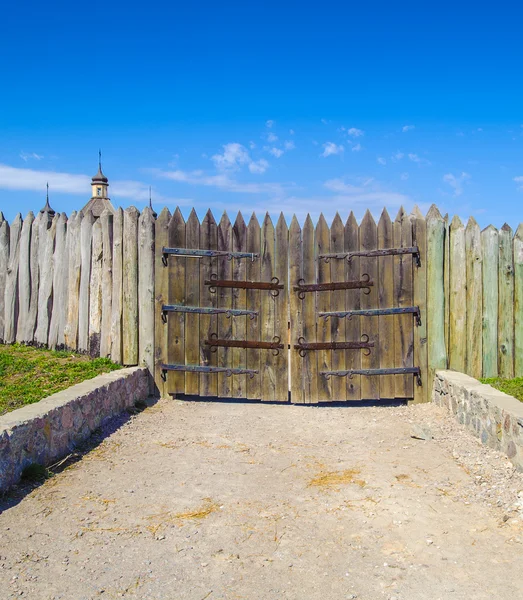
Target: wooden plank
{"points": [[518, 302], [446, 281], [337, 303], [85, 278], [35, 280], [252, 302], [45, 291], [474, 261], [239, 297], [208, 323], [130, 287], [370, 386], [419, 238], [24, 280], [457, 297], [146, 225], [117, 293], [176, 321], [161, 297], [267, 311], [281, 271], [386, 323], [352, 302], [296, 310], [4, 263], [437, 350], [323, 327], [60, 274], [11, 282], [106, 219], [224, 301], [192, 298], [95, 290], [506, 304], [490, 254], [310, 362]]}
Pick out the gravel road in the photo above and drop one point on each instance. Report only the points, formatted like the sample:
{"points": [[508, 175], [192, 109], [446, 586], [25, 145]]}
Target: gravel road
{"points": [[202, 500]]}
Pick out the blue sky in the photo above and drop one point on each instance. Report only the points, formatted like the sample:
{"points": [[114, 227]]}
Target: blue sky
{"points": [[293, 106]]}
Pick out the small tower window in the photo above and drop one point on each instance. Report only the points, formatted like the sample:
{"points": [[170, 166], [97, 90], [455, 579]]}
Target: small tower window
{"points": [[98, 191]]}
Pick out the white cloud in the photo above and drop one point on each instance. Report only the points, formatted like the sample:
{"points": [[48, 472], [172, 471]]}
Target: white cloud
{"points": [[456, 182], [325, 122], [234, 156], [277, 152], [269, 123], [291, 131], [356, 148], [331, 148], [289, 145], [397, 156], [415, 158], [519, 181], [354, 132], [406, 128], [259, 166], [381, 160], [252, 145], [404, 176], [271, 138], [25, 156]]}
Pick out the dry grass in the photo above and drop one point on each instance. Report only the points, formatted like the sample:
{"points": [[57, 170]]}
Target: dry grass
{"points": [[335, 479], [169, 518]]}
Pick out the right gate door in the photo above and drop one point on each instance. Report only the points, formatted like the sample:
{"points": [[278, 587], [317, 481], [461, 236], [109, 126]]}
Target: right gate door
{"points": [[352, 310]]}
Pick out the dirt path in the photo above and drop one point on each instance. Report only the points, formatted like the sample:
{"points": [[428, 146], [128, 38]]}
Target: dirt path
{"points": [[213, 500]]}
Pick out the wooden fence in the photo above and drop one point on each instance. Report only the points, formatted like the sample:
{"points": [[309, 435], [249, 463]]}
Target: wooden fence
{"points": [[89, 286]]}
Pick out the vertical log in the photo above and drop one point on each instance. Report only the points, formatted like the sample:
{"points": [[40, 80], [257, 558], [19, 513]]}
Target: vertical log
{"points": [[4, 265], [239, 297], [309, 361], [117, 294], [386, 323], [192, 298], [161, 291], [474, 298], [130, 287], [457, 297], [446, 281], [24, 280], [267, 310], [323, 326], [45, 292], [490, 253], [95, 290], [86, 229], [146, 290], [11, 284], [352, 302], [73, 280], [281, 271], [60, 273], [106, 219], [208, 323], [296, 310], [506, 304], [253, 300], [419, 238], [35, 280], [337, 303], [518, 302], [437, 352], [176, 321]]}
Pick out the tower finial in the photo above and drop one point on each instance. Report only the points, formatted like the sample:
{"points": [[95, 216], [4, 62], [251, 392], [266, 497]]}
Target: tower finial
{"points": [[100, 158], [47, 194], [151, 203]]}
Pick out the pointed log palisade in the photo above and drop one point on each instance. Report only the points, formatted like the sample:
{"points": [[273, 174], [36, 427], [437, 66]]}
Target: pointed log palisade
{"points": [[452, 296]]}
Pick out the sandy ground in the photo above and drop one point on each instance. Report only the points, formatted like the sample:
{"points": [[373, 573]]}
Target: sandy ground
{"points": [[201, 500]]}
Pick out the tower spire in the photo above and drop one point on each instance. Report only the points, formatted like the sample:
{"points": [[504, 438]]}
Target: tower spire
{"points": [[47, 208], [100, 159], [151, 203]]}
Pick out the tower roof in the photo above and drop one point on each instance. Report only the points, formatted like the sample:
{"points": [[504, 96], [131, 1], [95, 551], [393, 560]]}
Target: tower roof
{"points": [[47, 208], [100, 177]]}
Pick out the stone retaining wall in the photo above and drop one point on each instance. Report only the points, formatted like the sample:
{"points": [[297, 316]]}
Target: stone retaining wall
{"points": [[48, 430], [491, 415]]}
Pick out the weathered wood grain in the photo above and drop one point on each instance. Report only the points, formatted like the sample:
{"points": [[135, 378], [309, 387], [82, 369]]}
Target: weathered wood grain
{"points": [[95, 291], [457, 297], [490, 254], [281, 301], [309, 361], [176, 321], [85, 278], [386, 323], [296, 310], [323, 331], [518, 302], [60, 274], [506, 304], [208, 323], [74, 265], [146, 224], [337, 303], [474, 287], [4, 265], [437, 351], [11, 283], [192, 298], [224, 301], [267, 310], [370, 386], [161, 297], [252, 302], [30, 325], [117, 293], [106, 219], [446, 282], [24, 280], [130, 287], [352, 302], [45, 291], [239, 297], [419, 238]]}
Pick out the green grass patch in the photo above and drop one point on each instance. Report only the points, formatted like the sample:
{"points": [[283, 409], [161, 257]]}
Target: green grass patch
{"points": [[514, 387], [29, 374]]}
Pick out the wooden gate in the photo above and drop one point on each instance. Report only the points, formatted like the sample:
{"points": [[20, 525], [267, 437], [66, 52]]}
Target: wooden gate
{"points": [[276, 313]]}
